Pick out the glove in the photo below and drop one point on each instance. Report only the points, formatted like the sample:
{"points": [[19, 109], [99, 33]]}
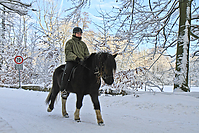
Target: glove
{"points": [[78, 60]]}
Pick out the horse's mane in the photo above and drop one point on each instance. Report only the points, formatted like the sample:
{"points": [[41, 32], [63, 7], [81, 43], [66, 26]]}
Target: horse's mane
{"points": [[108, 60], [88, 60], [102, 57]]}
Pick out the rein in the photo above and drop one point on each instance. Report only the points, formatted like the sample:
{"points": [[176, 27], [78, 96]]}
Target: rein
{"points": [[95, 72]]}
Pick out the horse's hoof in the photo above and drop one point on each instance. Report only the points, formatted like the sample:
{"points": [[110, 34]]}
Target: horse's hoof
{"points": [[101, 124], [77, 120], [49, 110], [66, 116]]}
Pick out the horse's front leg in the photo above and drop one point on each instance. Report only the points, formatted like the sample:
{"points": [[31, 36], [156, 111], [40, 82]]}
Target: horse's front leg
{"points": [[96, 105], [99, 118], [78, 106], [64, 112]]}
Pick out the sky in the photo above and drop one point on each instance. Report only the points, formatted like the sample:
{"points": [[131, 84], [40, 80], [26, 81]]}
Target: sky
{"points": [[93, 9], [95, 6]]}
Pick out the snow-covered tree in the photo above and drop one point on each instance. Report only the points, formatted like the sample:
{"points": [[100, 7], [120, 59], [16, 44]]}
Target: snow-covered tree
{"points": [[155, 24], [54, 32], [9, 7], [15, 43], [183, 44]]}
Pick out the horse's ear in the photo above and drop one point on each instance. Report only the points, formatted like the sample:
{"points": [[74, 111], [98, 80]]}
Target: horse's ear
{"points": [[115, 55]]}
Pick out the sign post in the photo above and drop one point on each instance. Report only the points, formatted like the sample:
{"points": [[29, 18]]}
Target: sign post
{"points": [[19, 66]]}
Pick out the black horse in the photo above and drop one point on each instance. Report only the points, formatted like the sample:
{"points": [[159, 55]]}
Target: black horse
{"points": [[85, 79]]}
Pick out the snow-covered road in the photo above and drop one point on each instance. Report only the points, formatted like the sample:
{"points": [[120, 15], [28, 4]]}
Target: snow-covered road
{"points": [[25, 112]]}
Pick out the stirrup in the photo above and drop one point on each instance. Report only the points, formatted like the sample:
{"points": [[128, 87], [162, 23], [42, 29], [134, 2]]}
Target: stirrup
{"points": [[64, 94]]}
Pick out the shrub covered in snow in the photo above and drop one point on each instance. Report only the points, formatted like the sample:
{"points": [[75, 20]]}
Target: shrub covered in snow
{"points": [[129, 81]]}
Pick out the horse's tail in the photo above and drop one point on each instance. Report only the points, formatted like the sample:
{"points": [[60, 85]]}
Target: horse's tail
{"points": [[55, 86], [49, 96]]}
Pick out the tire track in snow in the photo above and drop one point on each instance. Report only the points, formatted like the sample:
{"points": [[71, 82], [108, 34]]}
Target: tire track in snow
{"points": [[5, 127]]}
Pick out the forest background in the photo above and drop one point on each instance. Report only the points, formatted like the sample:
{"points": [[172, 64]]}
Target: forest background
{"points": [[145, 34]]}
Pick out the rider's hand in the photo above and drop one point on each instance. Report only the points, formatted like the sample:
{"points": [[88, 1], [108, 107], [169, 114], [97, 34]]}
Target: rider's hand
{"points": [[78, 60]]}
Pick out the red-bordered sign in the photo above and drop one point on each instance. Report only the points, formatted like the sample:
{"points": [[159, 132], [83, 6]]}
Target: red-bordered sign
{"points": [[18, 59]]}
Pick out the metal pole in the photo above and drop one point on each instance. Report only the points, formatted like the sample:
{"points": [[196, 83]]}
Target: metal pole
{"points": [[19, 80]]}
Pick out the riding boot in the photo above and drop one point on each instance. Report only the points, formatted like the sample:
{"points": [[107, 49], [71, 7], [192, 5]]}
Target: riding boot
{"points": [[64, 93], [65, 79]]}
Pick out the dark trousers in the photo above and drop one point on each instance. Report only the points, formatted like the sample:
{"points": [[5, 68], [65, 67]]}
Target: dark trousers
{"points": [[66, 74]]}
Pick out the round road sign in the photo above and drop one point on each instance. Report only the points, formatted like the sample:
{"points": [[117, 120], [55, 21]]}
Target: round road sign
{"points": [[18, 59]]}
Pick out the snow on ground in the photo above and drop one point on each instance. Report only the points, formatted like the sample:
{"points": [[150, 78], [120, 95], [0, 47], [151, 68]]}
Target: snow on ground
{"points": [[24, 111]]}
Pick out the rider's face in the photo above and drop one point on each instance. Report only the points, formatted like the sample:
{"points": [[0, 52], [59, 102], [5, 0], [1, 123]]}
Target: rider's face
{"points": [[78, 34]]}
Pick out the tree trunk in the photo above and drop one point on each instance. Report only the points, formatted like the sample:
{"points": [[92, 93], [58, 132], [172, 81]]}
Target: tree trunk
{"points": [[2, 38], [182, 55]]}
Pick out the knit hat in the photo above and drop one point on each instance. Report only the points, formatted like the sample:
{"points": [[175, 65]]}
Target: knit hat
{"points": [[77, 29]]}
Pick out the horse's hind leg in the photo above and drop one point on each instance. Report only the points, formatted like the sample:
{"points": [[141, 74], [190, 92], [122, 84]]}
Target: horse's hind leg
{"points": [[53, 96], [64, 112]]}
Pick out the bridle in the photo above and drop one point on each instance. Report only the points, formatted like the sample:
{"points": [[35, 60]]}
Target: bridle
{"points": [[98, 70]]}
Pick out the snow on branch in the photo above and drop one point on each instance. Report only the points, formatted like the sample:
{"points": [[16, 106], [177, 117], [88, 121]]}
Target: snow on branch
{"points": [[195, 53], [196, 16], [77, 6], [15, 6]]}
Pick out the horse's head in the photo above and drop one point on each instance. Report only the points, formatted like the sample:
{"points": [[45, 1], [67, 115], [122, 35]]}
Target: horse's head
{"points": [[107, 67], [103, 64]]}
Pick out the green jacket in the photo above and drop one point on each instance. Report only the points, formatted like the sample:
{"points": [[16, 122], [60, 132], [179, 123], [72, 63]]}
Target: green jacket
{"points": [[75, 48]]}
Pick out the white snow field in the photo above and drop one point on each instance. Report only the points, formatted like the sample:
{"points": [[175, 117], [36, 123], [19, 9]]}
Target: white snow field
{"points": [[23, 111]]}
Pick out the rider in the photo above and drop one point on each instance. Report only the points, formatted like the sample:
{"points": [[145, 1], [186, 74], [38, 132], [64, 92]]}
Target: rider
{"points": [[75, 51]]}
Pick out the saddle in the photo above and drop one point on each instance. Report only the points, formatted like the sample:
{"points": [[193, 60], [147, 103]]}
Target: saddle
{"points": [[72, 73]]}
